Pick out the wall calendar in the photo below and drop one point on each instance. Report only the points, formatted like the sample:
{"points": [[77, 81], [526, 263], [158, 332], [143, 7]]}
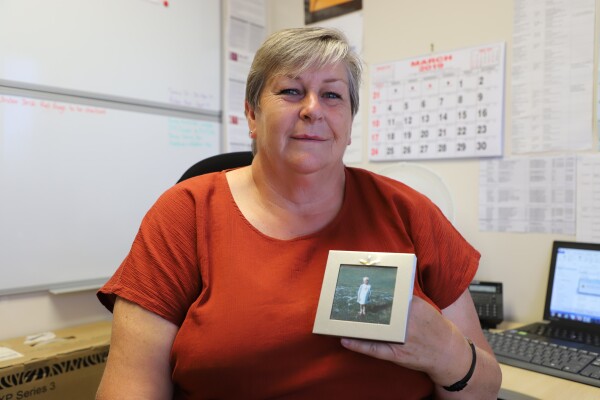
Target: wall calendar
{"points": [[442, 105]]}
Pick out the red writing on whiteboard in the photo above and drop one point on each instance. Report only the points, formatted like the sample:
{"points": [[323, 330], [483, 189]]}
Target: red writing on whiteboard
{"points": [[8, 100], [51, 106]]}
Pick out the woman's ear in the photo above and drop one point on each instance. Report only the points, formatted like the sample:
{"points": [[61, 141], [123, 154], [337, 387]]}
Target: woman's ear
{"points": [[251, 118]]}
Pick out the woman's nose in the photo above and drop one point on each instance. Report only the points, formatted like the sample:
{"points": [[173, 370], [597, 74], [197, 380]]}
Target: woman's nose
{"points": [[311, 107]]}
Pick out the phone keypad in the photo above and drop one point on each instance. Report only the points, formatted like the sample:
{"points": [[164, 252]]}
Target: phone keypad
{"points": [[488, 306]]}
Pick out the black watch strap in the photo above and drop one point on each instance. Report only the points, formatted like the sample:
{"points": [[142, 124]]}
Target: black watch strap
{"points": [[460, 385]]}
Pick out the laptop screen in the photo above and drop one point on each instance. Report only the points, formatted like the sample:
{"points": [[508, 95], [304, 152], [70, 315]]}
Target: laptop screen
{"points": [[574, 283]]}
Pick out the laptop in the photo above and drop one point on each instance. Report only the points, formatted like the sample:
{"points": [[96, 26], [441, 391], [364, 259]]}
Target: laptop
{"points": [[572, 307]]}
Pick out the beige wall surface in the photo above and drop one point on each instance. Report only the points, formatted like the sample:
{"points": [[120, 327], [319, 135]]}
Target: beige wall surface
{"points": [[399, 29]]}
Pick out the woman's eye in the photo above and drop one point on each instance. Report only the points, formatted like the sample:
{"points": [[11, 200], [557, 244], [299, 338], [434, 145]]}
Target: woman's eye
{"points": [[332, 95], [289, 91]]}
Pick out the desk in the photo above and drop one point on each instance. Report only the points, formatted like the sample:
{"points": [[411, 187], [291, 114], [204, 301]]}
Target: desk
{"points": [[521, 384]]}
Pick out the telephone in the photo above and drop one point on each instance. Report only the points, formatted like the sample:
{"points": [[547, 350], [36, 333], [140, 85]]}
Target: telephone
{"points": [[487, 297]]}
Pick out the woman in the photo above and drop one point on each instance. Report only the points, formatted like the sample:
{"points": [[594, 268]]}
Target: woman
{"points": [[218, 294]]}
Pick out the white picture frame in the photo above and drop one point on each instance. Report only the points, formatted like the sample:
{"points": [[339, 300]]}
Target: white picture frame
{"points": [[387, 303]]}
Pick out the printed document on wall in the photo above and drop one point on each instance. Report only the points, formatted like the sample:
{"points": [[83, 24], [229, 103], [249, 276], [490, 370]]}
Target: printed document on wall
{"points": [[552, 75], [528, 195], [245, 32], [588, 198]]}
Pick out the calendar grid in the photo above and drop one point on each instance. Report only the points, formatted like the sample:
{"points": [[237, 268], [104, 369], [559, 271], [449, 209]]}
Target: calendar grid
{"points": [[438, 106]]}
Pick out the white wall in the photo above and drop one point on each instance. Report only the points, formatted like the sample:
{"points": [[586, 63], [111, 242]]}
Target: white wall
{"points": [[24, 314], [393, 29], [399, 29]]}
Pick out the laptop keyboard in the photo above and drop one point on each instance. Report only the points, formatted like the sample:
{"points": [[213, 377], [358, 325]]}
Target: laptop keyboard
{"points": [[550, 357], [547, 330]]}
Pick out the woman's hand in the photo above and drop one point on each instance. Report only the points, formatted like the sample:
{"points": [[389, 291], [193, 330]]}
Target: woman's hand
{"points": [[429, 342], [436, 345]]}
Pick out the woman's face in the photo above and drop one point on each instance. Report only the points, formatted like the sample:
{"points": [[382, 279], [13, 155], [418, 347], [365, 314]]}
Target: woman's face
{"points": [[305, 122]]}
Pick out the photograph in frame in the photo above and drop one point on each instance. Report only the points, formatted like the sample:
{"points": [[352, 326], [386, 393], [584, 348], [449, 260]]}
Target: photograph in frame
{"points": [[366, 295]]}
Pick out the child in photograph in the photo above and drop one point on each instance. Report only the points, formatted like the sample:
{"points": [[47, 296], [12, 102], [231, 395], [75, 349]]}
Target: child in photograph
{"points": [[363, 295]]}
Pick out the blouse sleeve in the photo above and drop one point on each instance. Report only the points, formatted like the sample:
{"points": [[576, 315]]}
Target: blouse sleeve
{"points": [[447, 263], [161, 271]]}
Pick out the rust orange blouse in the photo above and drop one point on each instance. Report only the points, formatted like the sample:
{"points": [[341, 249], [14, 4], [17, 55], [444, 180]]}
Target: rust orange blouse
{"points": [[246, 303]]}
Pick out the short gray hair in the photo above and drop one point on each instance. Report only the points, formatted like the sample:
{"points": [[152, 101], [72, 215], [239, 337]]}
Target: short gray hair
{"points": [[294, 51]]}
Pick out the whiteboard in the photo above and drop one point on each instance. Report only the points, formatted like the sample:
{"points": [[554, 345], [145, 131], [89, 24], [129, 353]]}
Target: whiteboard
{"points": [[130, 50], [76, 180]]}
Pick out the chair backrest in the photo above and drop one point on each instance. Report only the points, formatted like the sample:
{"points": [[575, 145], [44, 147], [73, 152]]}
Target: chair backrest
{"points": [[218, 163], [426, 181]]}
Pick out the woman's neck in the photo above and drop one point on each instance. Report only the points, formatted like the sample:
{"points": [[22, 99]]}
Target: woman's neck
{"points": [[300, 192], [287, 206]]}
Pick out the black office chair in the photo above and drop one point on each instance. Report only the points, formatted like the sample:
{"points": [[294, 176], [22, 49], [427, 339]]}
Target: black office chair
{"points": [[218, 163]]}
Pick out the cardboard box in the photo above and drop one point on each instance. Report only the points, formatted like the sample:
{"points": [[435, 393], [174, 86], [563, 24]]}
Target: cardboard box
{"points": [[61, 365]]}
